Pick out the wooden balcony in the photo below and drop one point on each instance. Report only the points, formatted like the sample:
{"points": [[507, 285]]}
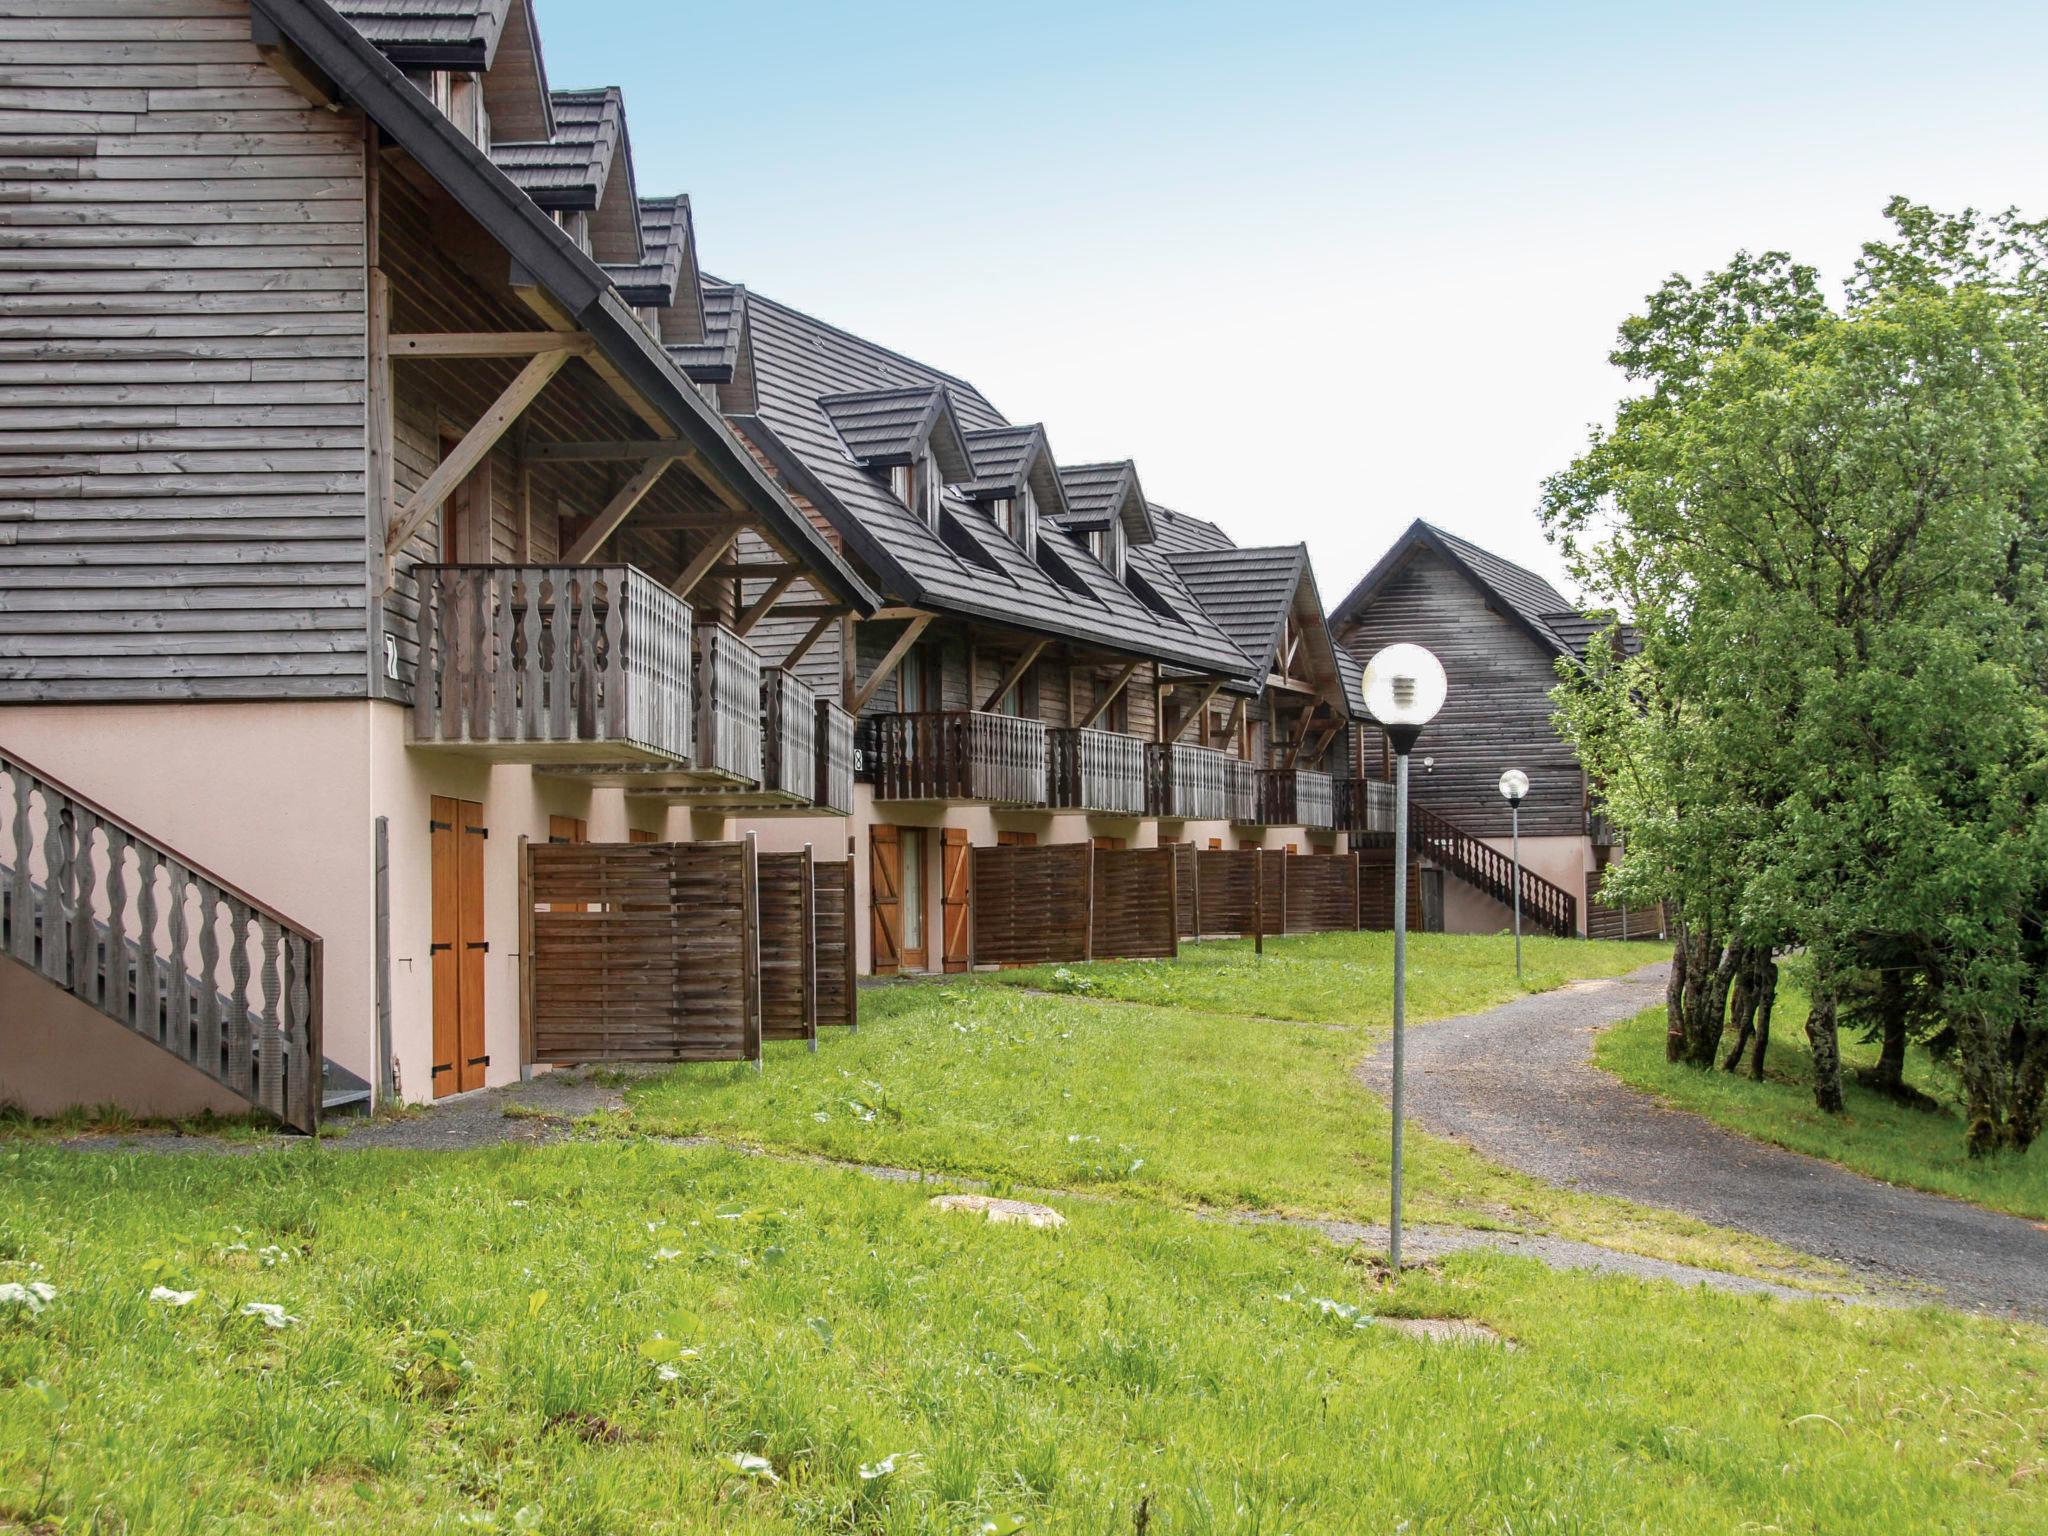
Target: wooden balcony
{"points": [[729, 725], [1296, 797], [553, 664], [958, 754], [1201, 784], [1365, 806], [789, 747], [834, 733], [1100, 771]]}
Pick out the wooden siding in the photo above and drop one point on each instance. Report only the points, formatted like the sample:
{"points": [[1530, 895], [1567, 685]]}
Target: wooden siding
{"points": [[182, 364], [1497, 714]]}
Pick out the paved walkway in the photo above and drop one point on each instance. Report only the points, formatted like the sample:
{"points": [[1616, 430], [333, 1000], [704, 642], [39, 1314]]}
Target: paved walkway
{"points": [[1518, 1084]]}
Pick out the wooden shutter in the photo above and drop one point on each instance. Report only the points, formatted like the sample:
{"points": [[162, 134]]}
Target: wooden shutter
{"points": [[471, 1060], [885, 899], [445, 831], [953, 897]]}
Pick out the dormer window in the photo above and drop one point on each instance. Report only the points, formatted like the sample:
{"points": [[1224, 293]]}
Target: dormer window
{"points": [[1018, 517], [460, 97], [918, 487], [1107, 545]]}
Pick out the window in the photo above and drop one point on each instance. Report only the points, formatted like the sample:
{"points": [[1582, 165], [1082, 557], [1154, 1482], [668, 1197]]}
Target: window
{"points": [[1107, 545], [1024, 519], [918, 487]]}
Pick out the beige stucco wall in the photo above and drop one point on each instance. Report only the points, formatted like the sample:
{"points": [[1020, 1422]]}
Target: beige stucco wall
{"points": [[1563, 861], [282, 800]]}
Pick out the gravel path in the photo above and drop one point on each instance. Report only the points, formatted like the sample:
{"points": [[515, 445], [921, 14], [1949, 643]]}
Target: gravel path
{"points": [[1518, 1084]]}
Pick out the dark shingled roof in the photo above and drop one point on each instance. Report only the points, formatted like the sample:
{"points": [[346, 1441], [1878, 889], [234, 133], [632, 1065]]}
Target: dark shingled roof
{"points": [[1098, 492], [1176, 531], [1546, 613], [713, 360], [881, 427], [666, 241], [569, 170], [1248, 592], [416, 30], [1008, 458], [972, 568]]}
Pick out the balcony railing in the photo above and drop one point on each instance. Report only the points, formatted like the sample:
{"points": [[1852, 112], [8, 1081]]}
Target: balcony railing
{"points": [[958, 755], [834, 791], [553, 663], [789, 752], [1365, 805], [1201, 784], [1296, 797], [729, 702], [1090, 770]]}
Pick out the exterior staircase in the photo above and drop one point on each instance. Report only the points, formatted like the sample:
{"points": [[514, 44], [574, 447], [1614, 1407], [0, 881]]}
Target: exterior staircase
{"points": [[1484, 867], [166, 948]]}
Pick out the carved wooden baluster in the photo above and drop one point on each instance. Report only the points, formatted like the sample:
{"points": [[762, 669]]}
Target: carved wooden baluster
{"points": [[558, 662], [300, 1070], [505, 586], [269, 1038], [525, 659], [178, 1008], [206, 1048], [148, 996], [22, 938], [120, 999], [57, 889], [84, 932], [240, 1061], [584, 698]]}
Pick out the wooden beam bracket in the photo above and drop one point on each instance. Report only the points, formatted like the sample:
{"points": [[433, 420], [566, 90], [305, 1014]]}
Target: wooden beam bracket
{"points": [[470, 452], [1015, 675], [888, 663], [1109, 694]]}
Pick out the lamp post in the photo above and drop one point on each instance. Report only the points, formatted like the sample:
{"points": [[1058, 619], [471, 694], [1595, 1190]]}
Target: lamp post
{"points": [[1513, 785], [1403, 689]]}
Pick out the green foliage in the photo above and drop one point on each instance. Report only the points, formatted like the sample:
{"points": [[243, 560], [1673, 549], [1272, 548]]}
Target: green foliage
{"points": [[1824, 524]]}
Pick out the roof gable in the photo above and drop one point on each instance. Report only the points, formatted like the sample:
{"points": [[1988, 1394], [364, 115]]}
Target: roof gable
{"points": [[1099, 494], [1519, 592], [1006, 459], [881, 427], [494, 38], [587, 165]]}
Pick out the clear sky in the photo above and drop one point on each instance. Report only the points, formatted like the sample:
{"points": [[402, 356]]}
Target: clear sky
{"points": [[1318, 268]]}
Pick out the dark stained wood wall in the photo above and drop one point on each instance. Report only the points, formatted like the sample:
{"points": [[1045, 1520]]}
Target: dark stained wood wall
{"points": [[182, 364], [1497, 714]]}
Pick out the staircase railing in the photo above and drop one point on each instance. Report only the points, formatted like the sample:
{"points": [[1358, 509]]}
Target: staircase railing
{"points": [[1484, 866], [161, 944]]}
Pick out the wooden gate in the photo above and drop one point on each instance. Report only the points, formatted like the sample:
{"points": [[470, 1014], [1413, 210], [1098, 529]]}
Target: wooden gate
{"points": [[643, 952], [457, 950], [1227, 893], [885, 899], [832, 895], [789, 947]]}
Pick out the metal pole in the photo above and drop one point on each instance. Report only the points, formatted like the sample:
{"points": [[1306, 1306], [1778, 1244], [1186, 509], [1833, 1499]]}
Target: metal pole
{"points": [[1515, 821], [1400, 987]]}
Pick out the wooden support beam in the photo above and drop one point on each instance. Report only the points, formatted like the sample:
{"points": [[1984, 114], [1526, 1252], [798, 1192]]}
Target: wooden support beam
{"points": [[614, 453], [1200, 711], [555, 318], [811, 637], [1308, 716], [1115, 687], [380, 413], [884, 615], [467, 454], [847, 674], [767, 570], [758, 610], [814, 610], [615, 512], [700, 565], [1239, 741], [286, 57], [888, 663], [1015, 675], [1279, 684], [1315, 753], [442, 345]]}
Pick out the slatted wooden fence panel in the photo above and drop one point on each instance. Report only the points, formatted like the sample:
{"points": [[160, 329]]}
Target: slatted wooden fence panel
{"points": [[1376, 891], [1031, 904], [644, 952], [838, 997], [1603, 922], [1225, 891], [1186, 884], [1134, 916], [1322, 893], [789, 948]]}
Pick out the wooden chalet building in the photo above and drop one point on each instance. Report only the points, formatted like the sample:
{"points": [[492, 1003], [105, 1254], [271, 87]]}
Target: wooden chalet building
{"points": [[1041, 670], [366, 508], [1500, 631]]}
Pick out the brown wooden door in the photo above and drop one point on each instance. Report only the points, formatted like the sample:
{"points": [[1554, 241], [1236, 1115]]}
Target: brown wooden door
{"points": [[459, 949], [953, 897], [885, 900]]}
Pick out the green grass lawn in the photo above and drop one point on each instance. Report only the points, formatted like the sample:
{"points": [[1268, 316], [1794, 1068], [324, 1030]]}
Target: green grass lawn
{"points": [[582, 1339], [1918, 1148], [1239, 1095]]}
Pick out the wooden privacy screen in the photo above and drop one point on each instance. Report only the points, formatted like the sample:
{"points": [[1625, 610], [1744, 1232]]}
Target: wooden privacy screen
{"points": [[832, 894], [1321, 893], [1226, 897], [1614, 923], [643, 952], [1133, 911], [1187, 917], [789, 948], [1376, 891], [1031, 904]]}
